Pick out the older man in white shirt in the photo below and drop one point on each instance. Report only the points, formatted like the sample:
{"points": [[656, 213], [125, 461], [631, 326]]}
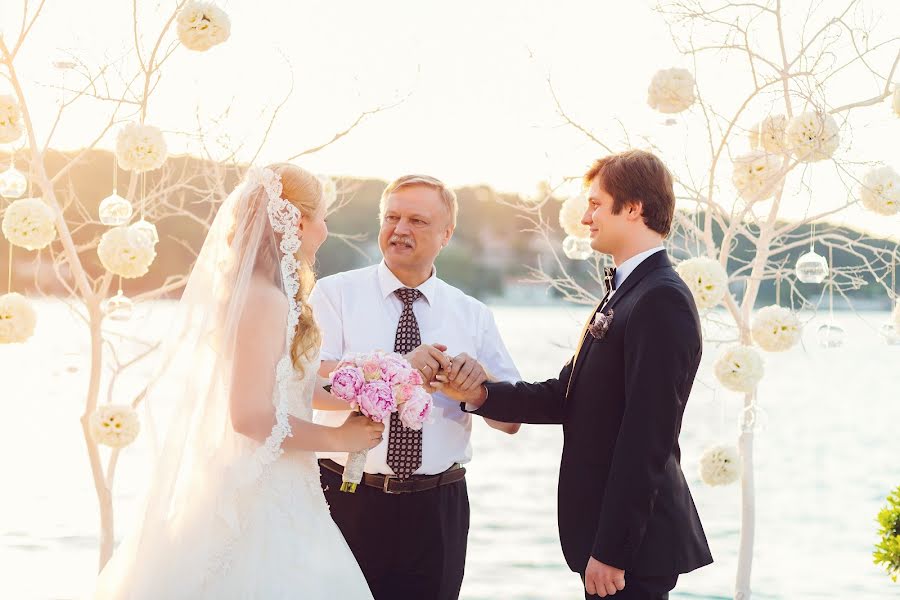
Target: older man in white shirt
{"points": [[408, 522]]}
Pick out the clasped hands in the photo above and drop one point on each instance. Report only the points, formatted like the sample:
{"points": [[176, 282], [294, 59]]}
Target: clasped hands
{"points": [[459, 377]]}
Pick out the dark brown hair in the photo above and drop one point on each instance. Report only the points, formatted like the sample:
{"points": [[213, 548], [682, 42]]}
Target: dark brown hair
{"points": [[636, 176]]}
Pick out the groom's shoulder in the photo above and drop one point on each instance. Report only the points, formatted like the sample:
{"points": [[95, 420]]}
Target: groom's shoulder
{"points": [[666, 292]]}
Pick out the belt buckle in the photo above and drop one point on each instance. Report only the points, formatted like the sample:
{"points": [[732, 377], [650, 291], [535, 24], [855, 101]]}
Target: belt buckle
{"points": [[386, 486]]}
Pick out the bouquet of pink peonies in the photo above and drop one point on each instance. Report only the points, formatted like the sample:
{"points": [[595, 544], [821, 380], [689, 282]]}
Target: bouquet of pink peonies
{"points": [[379, 384]]}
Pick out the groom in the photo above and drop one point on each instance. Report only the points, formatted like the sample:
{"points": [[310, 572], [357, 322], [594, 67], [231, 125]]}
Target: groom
{"points": [[627, 521]]}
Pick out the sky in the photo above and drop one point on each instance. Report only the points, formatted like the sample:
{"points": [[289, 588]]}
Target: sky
{"points": [[469, 80]]}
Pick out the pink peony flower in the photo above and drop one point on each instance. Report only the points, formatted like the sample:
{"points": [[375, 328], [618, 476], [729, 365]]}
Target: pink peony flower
{"points": [[417, 410], [347, 383], [416, 378], [395, 370], [403, 392], [376, 401], [371, 369]]}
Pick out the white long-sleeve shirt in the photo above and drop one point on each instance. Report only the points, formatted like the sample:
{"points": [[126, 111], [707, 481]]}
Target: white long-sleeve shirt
{"points": [[358, 311]]}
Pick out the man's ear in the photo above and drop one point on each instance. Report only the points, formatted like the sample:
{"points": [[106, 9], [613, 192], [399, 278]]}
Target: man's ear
{"points": [[447, 235], [635, 210]]}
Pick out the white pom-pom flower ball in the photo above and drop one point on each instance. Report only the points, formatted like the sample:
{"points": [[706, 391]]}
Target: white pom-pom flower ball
{"points": [[880, 191], [671, 91], [115, 425], [202, 25], [776, 329], [570, 215], [140, 148], [17, 319], [10, 119], [29, 223], [706, 279], [756, 175], [126, 251], [739, 368], [768, 134], [329, 190], [812, 136], [720, 465]]}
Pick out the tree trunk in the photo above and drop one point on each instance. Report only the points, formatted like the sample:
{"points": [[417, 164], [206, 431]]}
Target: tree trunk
{"points": [[748, 505], [104, 493]]}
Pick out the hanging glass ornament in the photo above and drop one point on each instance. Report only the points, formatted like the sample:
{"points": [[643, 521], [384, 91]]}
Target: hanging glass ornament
{"points": [[115, 210], [12, 183], [147, 228], [753, 419], [118, 308], [811, 268], [830, 335], [891, 334], [577, 248]]}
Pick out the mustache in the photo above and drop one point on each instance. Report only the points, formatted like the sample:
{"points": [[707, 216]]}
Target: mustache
{"points": [[401, 239]]}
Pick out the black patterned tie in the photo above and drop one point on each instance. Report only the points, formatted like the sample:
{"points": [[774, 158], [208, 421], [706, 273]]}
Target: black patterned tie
{"points": [[404, 451], [609, 279]]}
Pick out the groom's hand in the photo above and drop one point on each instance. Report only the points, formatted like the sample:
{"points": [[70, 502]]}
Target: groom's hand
{"points": [[466, 373], [603, 580], [429, 360], [474, 397]]}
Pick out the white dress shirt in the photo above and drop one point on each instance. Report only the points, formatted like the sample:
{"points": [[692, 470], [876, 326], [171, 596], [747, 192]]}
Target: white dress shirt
{"points": [[627, 267], [358, 311]]}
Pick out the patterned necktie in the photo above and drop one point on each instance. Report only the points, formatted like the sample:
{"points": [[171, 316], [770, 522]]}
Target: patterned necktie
{"points": [[404, 451], [609, 279]]}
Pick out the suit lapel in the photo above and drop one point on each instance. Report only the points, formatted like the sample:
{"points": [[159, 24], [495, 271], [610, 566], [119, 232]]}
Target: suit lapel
{"points": [[652, 262]]}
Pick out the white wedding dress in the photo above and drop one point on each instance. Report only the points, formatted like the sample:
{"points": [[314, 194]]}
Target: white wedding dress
{"points": [[272, 540], [227, 517]]}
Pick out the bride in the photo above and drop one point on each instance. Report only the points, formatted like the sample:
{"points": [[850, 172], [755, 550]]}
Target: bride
{"points": [[235, 508]]}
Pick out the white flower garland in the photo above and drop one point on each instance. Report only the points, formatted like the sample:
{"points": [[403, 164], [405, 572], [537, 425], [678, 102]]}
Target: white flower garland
{"points": [[706, 279], [115, 425], [768, 134], [776, 329], [812, 136], [140, 148], [10, 119], [202, 25], [756, 175], [17, 319], [570, 215], [720, 465], [126, 251], [671, 91], [29, 223], [880, 191], [740, 368]]}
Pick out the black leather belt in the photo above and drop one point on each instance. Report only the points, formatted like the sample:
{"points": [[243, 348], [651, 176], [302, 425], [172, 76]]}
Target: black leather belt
{"points": [[391, 485]]}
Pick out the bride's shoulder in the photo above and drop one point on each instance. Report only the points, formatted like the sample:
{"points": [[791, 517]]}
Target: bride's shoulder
{"points": [[265, 302]]}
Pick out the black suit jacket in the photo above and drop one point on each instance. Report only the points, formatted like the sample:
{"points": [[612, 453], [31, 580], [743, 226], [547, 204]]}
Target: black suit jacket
{"points": [[623, 498]]}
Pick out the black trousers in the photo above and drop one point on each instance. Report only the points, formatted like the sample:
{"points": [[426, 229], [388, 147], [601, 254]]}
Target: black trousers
{"points": [[638, 587], [407, 545]]}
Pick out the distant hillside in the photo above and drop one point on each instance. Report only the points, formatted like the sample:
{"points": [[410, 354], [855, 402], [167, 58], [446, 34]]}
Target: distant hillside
{"points": [[488, 256]]}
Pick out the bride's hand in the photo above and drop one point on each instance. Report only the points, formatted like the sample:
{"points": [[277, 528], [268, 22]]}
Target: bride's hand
{"points": [[359, 433]]}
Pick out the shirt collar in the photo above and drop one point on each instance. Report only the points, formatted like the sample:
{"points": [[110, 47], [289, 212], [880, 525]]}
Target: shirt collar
{"points": [[626, 268], [389, 283]]}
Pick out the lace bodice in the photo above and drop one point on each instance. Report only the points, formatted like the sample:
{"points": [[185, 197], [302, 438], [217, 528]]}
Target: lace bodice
{"points": [[298, 390]]}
